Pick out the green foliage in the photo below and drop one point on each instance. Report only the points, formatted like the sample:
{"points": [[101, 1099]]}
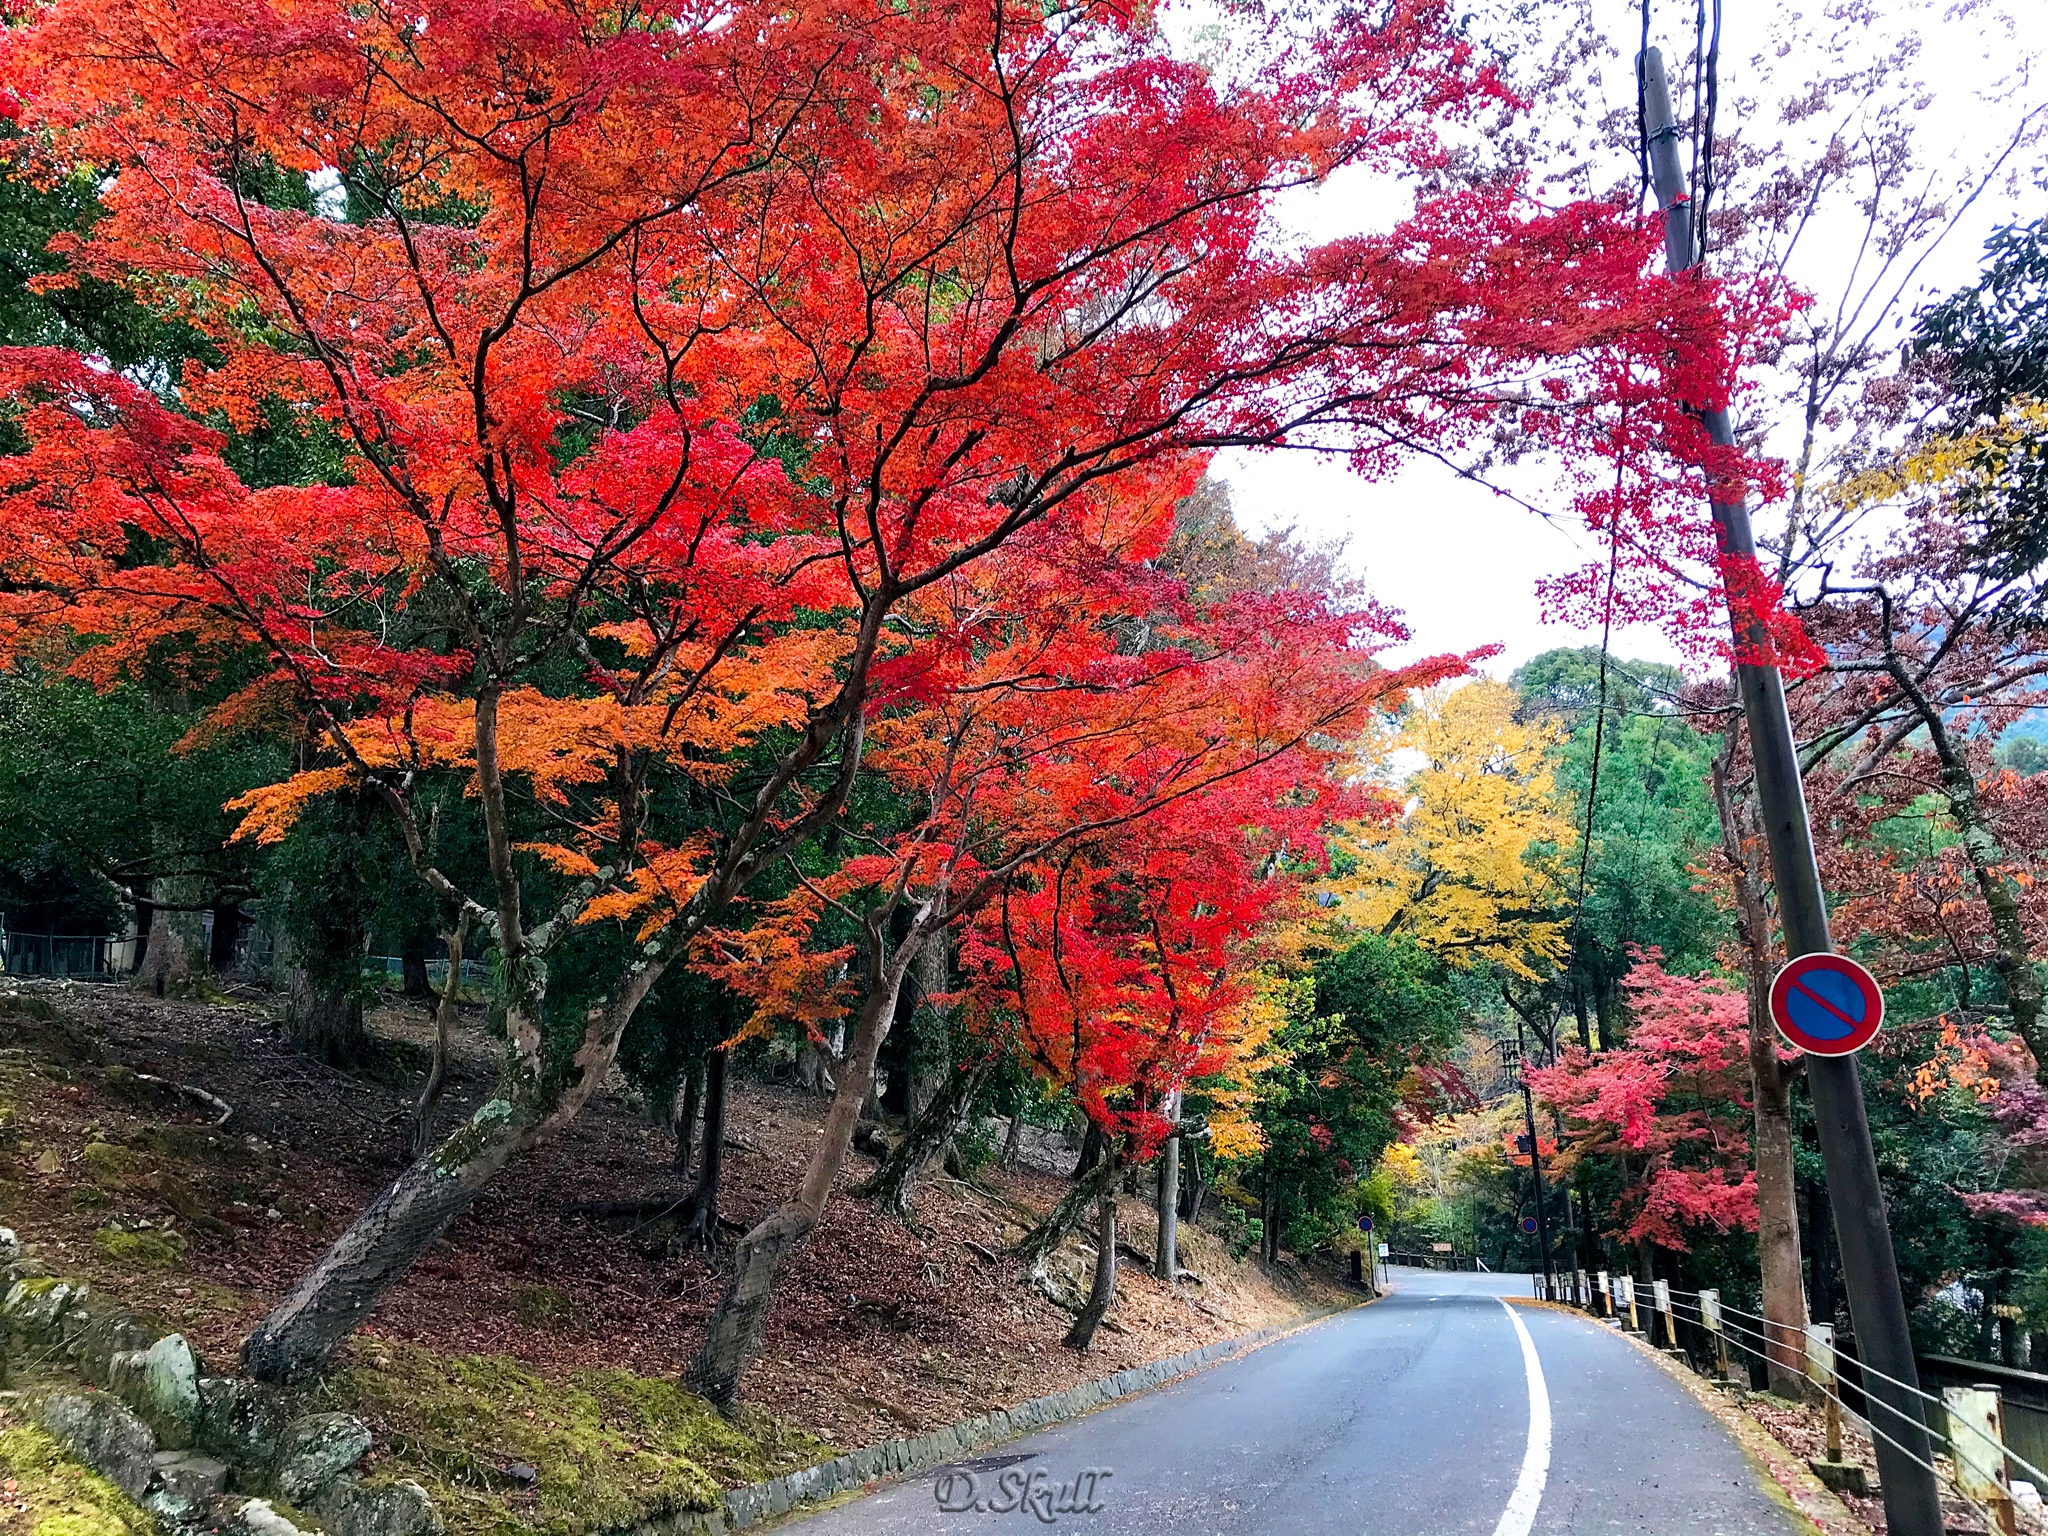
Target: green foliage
{"points": [[1653, 822], [1241, 1233], [977, 1145], [1566, 682], [325, 884], [1351, 1033], [102, 797], [2024, 755], [91, 316], [1992, 340]]}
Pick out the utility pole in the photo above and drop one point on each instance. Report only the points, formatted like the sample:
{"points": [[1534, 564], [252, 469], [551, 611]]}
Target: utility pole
{"points": [[1877, 1306], [1535, 1161]]}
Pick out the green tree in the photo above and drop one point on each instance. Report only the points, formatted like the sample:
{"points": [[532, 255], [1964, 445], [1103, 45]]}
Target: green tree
{"points": [[1353, 1033]]}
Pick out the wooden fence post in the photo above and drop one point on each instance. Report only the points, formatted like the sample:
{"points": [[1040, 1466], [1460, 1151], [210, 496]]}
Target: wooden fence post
{"points": [[1820, 1370], [1710, 1318], [1976, 1437]]}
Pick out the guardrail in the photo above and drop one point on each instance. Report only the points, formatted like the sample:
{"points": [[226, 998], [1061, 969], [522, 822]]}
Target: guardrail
{"points": [[1988, 1426]]}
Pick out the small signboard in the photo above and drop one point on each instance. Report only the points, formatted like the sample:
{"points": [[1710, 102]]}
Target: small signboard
{"points": [[1383, 1250], [1827, 1005], [1439, 1247]]}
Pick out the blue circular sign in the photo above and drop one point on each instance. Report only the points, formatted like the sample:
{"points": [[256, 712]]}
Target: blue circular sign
{"points": [[1529, 1225], [1827, 1005], [1365, 1223]]}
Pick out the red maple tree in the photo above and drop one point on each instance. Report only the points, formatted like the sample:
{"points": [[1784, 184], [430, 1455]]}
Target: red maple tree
{"points": [[674, 350]]}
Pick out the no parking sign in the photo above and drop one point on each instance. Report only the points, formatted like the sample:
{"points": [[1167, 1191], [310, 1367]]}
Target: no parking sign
{"points": [[1827, 1005]]}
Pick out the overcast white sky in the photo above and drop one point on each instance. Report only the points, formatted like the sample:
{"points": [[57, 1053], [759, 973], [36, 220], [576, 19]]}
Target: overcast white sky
{"points": [[1461, 563]]}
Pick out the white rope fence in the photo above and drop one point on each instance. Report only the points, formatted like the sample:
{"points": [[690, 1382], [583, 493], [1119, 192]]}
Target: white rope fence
{"points": [[1968, 1452]]}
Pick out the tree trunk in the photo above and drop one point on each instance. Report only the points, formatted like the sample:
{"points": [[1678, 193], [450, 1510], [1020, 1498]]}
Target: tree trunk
{"points": [[699, 1225], [412, 967], [736, 1330], [1777, 1190], [302, 1332], [1166, 1254], [683, 1106], [1013, 1142], [1269, 1236], [1103, 1291], [323, 1017], [444, 1020], [1603, 1017], [227, 929], [145, 924], [1820, 1230], [1193, 1185], [814, 1070], [944, 1116], [930, 1059], [1579, 1012], [1092, 1145]]}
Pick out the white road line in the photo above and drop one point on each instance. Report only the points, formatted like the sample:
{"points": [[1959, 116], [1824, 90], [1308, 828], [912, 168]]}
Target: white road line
{"points": [[1520, 1514]]}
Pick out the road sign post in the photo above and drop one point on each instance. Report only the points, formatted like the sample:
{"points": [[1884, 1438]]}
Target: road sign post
{"points": [[1877, 1304]]}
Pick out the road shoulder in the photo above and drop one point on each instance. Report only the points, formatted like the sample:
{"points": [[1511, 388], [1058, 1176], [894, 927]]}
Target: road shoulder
{"points": [[1782, 1476]]}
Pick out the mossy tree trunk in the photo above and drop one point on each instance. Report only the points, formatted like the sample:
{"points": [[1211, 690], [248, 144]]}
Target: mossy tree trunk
{"points": [[1038, 1245], [323, 1016], [944, 1117], [1103, 1291]]}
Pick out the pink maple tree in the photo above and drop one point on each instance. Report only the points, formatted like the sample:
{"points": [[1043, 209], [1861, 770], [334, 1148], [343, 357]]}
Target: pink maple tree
{"points": [[1670, 1107]]}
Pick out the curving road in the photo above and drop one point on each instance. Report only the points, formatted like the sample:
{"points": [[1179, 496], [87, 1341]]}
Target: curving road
{"points": [[1438, 1410]]}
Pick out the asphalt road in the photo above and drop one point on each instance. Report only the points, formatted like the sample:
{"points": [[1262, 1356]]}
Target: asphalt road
{"points": [[1420, 1415]]}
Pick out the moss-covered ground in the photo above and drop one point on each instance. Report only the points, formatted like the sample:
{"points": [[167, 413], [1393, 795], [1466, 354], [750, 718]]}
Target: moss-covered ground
{"points": [[43, 1492], [507, 1450]]}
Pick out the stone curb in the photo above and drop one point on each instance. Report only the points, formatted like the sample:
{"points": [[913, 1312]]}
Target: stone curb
{"points": [[740, 1508]]}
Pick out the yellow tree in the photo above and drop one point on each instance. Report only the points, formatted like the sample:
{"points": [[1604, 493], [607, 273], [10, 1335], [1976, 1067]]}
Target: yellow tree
{"points": [[1469, 870]]}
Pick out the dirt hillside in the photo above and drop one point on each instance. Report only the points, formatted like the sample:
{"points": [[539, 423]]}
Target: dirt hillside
{"points": [[111, 1163]]}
